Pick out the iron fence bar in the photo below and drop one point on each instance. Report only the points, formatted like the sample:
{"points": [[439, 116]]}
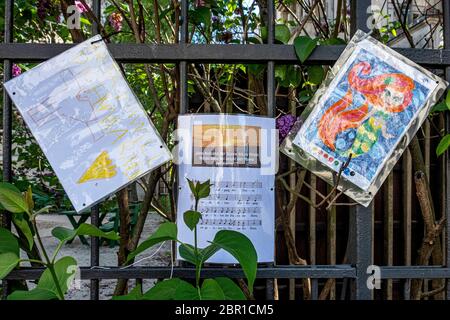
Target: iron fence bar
{"points": [[95, 241], [184, 24], [361, 217], [7, 105], [282, 272], [446, 12], [271, 104], [7, 120], [213, 53], [184, 97], [414, 272]]}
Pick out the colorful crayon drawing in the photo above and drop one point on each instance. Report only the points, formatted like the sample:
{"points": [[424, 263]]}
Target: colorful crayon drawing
{"points": [[364, 114]]}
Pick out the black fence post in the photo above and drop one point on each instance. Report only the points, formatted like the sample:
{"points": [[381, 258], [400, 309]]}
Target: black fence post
{"points": [[446, 11], [271, 102], [7, 106], [184, 24], [95, 241], [361, 222], [5, 219]]}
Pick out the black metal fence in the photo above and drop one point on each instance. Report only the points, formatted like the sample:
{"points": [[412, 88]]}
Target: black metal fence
{"points": [[361, 219]]}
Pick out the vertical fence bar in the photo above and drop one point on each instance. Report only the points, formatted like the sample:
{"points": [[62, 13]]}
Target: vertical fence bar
{"points": [[270, 99], [389, 229], [183, 64], [331, 242], [7, 120], [95, 243], [407, 215], [270, 64], [446, 9], [7, 105], [312, 232], [184, 98], [361, 221], [426, 147]]}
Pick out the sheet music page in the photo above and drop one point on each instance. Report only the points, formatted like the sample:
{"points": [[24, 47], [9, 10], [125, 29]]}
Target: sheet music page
{"points": [[238, 154]]}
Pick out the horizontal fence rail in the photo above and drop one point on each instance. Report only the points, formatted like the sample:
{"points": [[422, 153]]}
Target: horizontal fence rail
{"points": [[212, 53], [279, 272]]}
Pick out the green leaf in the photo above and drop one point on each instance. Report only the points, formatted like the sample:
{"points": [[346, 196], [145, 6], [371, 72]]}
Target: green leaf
{"points": [[294, 76], [8, 261], [172, 289], [256, 69], [440, 107], [8, 242], [29, 198], [280, 72], [23, 225], [187, 252], [241, 248], [230, 289], [211, 290], [166, 231], [447, 99], [63, 234], [315, 74], [208, 252], [34, 294], [85, 229], [201, 15], [304, 46], [192, 186], [191, 218], [11, 199], [203, 189], [85, 21], [282, 33], [305, 96], [200, 189], [135, 294], [254, 40], [333, 41], [443, 145], [65, 270]]}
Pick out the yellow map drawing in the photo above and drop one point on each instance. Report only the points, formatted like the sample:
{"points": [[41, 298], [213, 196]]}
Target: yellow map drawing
{"points": [[101, 168]]}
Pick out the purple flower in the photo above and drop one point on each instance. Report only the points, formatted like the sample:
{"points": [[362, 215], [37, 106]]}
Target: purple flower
{"points": [[285, 124], [80, 7], [115, 20], [16, 70]]}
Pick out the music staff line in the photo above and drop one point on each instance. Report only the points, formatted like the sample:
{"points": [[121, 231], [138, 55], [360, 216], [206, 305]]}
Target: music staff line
{"points": [[207, 209], [237, 184], [234, 197], [231, 222]]}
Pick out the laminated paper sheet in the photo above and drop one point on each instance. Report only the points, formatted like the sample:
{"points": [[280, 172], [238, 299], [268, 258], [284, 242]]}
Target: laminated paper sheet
{"points": [[91, 127], [238, 155], [369, 107]]}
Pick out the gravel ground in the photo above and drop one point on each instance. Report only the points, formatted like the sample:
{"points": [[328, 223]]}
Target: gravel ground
{"points": [[108, 256]]}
